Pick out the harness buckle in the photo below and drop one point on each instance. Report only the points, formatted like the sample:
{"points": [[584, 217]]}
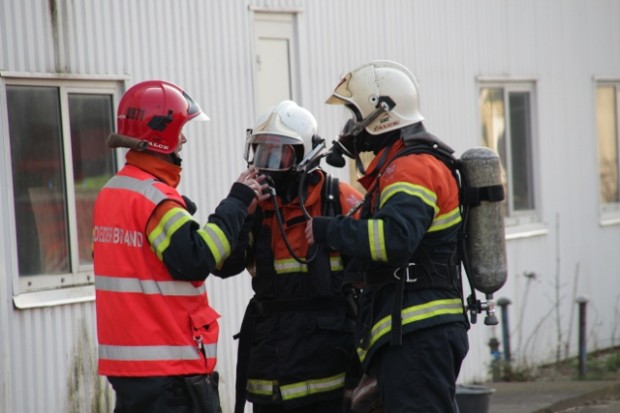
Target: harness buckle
{"points": [[408, 273]]}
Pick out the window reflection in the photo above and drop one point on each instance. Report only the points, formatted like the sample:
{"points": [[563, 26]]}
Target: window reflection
{"points": [[40, 174], [91, 122], [38, 185], [607, 132]]}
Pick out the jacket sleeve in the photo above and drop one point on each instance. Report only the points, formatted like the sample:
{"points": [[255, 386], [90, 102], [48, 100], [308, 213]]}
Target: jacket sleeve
{"points": [[242, 255], [189, 251]]}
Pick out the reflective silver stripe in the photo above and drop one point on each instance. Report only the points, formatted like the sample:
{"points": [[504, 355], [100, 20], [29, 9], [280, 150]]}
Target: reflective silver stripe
{"points": [[289, 265], [262, 387], [210, 350], [216, 242], [145, 187], [335, 263], [148, 353], [427, 196], [314, 386], [410, 315], [172, 220], [134, 285], [446, 220], [376, 240]]}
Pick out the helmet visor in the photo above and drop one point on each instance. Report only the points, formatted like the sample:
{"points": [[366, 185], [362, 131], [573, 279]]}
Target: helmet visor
{"points": [[193, 110], [274, 156]]}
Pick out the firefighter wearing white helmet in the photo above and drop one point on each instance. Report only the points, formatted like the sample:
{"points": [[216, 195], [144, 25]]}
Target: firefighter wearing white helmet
{"points": [[296, 339], [412, 333]]}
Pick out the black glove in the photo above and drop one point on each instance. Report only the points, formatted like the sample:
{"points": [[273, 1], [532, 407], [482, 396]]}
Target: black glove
{"points": [[190, 205]]}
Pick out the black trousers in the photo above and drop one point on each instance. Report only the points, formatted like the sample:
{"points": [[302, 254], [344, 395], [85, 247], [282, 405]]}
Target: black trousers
{"points": [[151, 394], [326, 406], [419, 376]]}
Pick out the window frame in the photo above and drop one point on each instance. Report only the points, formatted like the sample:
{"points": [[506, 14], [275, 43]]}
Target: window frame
{"points": [[78, 285], [527, 220], [609, 211]]}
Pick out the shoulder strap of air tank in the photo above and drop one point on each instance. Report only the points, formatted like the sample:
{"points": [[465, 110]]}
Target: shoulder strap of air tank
{"points": [[331, 196]]}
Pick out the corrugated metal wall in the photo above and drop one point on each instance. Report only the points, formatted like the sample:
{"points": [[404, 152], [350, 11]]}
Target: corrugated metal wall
{"points": [[47, 354]]}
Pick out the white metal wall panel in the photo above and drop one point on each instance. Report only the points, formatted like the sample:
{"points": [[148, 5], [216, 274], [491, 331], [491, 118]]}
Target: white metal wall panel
{"points": [[48, 353]]}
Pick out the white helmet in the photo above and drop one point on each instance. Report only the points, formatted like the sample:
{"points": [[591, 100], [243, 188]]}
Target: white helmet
{"points": [[382, 94], [282, 138]]}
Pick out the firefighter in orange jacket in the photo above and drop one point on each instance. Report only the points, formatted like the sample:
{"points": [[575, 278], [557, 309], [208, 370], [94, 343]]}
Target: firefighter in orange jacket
{"points": [[296, 339], [157, 333], [412, 333]]}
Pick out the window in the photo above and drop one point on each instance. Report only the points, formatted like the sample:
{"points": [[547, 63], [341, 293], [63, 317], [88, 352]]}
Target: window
{"points": [[506, 123], [59, 161], [607, 115]]}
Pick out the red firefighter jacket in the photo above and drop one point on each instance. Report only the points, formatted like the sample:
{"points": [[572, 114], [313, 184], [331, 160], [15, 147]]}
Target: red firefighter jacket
{"points": [[151, 321]]}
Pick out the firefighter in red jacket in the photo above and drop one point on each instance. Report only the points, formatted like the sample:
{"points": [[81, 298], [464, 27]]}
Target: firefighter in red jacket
{"points": [[412, 333], [296, 340], [157, 333]]}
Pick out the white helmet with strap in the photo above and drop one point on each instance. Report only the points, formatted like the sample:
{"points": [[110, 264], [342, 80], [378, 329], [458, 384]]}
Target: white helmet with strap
{"points": [[382, 94], [282, 137]]}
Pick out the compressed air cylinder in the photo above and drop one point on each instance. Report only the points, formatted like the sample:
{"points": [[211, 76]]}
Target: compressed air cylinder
{"points": [[486, 242]]}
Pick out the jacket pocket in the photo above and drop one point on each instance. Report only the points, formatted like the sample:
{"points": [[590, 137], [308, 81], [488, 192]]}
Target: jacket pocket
{"points": [[205, 326]]}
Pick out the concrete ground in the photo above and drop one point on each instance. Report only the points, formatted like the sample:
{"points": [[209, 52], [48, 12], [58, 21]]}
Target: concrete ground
{"points": [[549, 397]]}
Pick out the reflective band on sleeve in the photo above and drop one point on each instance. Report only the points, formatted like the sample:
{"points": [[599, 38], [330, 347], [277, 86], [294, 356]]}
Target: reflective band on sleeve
{"points": [[376, 240], [314, 386], [216, 242], [411, 315], [427, 196], [165, 229], [446, 220], [145, 187], [148, 353], [134, 285], [261, 387]]}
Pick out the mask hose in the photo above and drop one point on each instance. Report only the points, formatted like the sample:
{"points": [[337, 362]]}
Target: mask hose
{"points": [[280, 221]]}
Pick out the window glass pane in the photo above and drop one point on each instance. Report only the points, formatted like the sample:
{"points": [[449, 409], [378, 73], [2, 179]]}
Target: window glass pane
{"points": [[493, 121], [606, 128], [520, 148], [91, 118], [38, 183]]}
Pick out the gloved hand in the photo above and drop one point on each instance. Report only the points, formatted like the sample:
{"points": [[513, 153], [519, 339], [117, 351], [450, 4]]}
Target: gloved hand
{"points": [[190, 205]]}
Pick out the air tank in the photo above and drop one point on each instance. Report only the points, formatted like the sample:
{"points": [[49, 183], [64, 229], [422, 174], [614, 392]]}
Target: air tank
{"points": [[486, 242]]}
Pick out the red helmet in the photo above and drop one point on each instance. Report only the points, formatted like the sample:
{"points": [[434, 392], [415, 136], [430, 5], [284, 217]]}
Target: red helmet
{"points": [[155, 111]]}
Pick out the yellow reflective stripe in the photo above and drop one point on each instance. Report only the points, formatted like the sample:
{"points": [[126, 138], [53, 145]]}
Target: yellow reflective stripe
{"points": [[261, 387], [427, 196], [167, 226], [411, 315], [335, 263], [446, 220], [216, 242], [290, 265], [376, 240], [314, 386]]}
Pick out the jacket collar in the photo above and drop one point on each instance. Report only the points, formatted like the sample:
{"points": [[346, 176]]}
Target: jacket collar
{"points": [[165, 171]]}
